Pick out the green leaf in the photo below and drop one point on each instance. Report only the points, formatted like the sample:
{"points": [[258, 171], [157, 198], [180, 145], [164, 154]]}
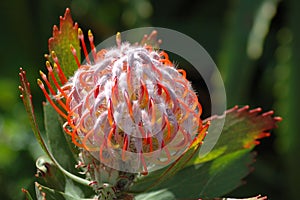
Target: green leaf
{"points": [[242, 129], [207, 180], [59, 143], [63, 37], [159, 195], [27, 100]]}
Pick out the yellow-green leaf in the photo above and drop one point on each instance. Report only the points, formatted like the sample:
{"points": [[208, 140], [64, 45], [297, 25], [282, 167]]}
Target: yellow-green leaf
{"points": [[242, 129], [64, 36]]}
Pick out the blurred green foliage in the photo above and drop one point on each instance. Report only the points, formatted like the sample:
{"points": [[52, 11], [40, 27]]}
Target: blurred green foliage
{"points": [[254, 43]]}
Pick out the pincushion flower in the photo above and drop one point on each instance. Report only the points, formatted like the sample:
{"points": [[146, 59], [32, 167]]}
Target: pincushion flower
{"points": [[129, 107]]}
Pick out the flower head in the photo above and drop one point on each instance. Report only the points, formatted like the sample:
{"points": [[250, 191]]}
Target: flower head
{"points": [[129, 106]]}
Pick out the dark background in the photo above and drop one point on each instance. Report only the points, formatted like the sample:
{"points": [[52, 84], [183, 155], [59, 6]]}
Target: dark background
{"points": [[255, 44]]}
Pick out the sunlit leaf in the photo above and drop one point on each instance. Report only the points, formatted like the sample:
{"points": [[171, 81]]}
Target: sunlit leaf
{"points": [[159, 195], [63, 37], [242, 129], [209, 180]]}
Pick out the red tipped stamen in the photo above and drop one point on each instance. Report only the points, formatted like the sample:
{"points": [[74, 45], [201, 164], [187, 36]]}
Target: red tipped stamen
{"points": [[74, 139], [73, 50], [67, 129], [144, 97], [182, 72], [168, 128], [60, 73], [165, 59], [115, 92], [81, 38], [164, 54], [41, 85], [128, 104], [152, 111], [71, 115], [160, 88], [166, 62], [44, 77], [96, 91], [110, 113], [93, 48], [148, 47], [50, 70], [125, 146], [118, 39], [84, 141], [101, 152], [110, 135], [145, 172]]}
